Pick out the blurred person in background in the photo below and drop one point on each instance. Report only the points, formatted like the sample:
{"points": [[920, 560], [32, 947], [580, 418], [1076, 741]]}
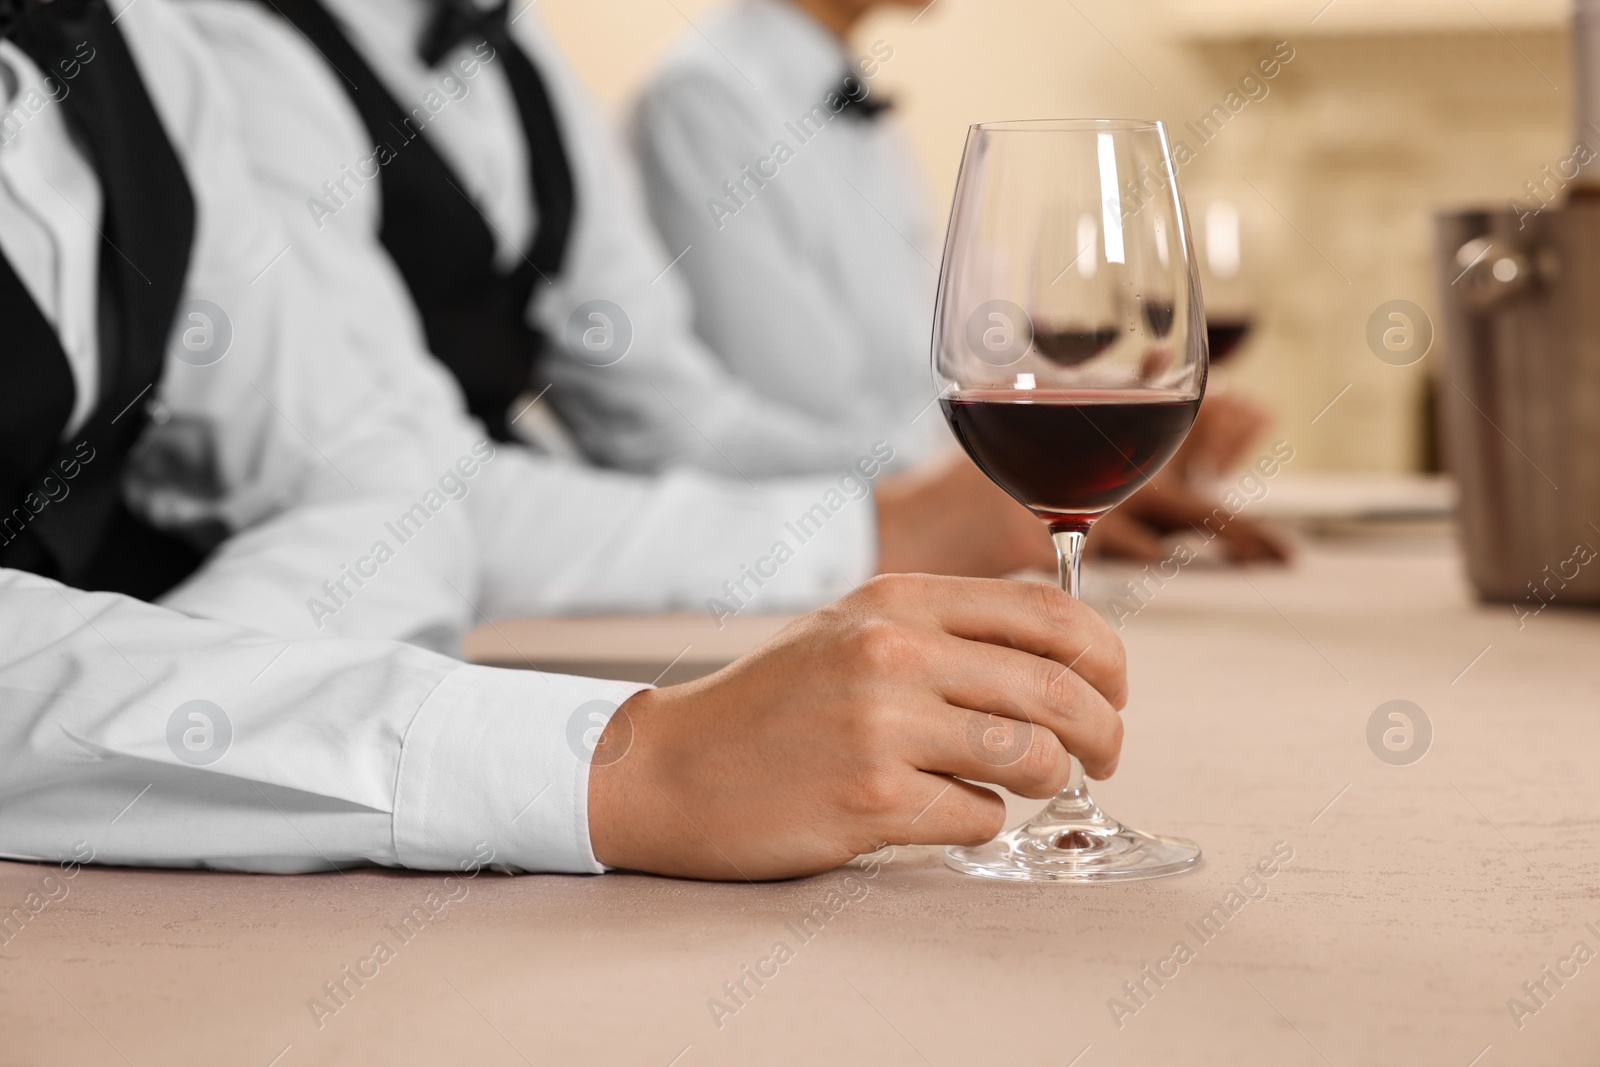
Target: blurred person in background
{"points": [[765, 149]]}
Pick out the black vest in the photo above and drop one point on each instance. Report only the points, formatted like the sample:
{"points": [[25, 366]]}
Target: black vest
{"points": [[476, 316], [61, 508]]}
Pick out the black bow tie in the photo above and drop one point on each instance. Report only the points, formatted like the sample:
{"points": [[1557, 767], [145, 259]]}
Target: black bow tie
{"points": [[860, 101], [454, 22]]}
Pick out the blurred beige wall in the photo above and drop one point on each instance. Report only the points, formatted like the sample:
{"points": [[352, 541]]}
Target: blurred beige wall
{"points": [[1387, 113]]}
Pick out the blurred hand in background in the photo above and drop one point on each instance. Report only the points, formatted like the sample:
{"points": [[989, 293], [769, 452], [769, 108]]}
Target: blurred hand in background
{"points": [[1225, 432]]}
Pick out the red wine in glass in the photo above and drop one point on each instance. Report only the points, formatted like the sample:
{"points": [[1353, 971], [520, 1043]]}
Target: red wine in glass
{"points": [[1069, 456], [1225, 335]]}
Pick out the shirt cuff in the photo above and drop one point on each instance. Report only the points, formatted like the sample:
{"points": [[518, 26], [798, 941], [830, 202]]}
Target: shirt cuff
{"points": [[494, 769]]}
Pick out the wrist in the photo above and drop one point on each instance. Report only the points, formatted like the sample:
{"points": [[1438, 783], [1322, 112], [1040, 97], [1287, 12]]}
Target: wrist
{"points": [[661, 804], [614, 779]]}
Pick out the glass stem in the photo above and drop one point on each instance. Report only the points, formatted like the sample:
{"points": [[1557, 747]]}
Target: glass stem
{"points": [[1069, 561], [1069, 557]]}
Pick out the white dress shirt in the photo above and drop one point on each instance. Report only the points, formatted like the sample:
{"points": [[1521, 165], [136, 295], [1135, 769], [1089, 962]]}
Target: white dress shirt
{"points": [[668, 402], [344, 746], [822, 279]]}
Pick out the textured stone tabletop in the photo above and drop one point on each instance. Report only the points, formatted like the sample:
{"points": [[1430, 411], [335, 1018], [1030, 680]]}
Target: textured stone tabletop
{"points": [[1408, 902]]}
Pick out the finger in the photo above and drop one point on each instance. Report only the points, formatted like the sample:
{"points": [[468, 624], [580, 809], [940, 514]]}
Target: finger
{"points": [[1000, 746], [1029, 616], [947, 812], [1015, 699]]}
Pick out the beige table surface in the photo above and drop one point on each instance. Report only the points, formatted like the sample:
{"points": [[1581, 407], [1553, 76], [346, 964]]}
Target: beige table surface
{"points": [[1419, 899]]}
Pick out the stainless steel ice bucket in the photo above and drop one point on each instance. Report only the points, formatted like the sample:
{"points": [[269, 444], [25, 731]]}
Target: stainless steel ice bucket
{"points": [[1520, 398]]}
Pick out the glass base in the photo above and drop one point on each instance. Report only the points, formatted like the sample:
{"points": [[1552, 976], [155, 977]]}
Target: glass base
{"points": [[1072, 840]]}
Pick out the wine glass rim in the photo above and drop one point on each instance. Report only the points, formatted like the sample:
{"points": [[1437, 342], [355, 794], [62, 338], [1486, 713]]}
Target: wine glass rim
{"points": [[1071, 126]]}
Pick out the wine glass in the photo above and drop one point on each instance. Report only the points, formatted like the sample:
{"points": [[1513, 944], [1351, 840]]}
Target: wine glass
{"points": [[1221, 270], [1080, 220]]}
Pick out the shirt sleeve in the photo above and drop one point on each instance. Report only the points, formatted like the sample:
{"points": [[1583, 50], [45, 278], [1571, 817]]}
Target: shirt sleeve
{"points": [[598, 541], [132, 734]]}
